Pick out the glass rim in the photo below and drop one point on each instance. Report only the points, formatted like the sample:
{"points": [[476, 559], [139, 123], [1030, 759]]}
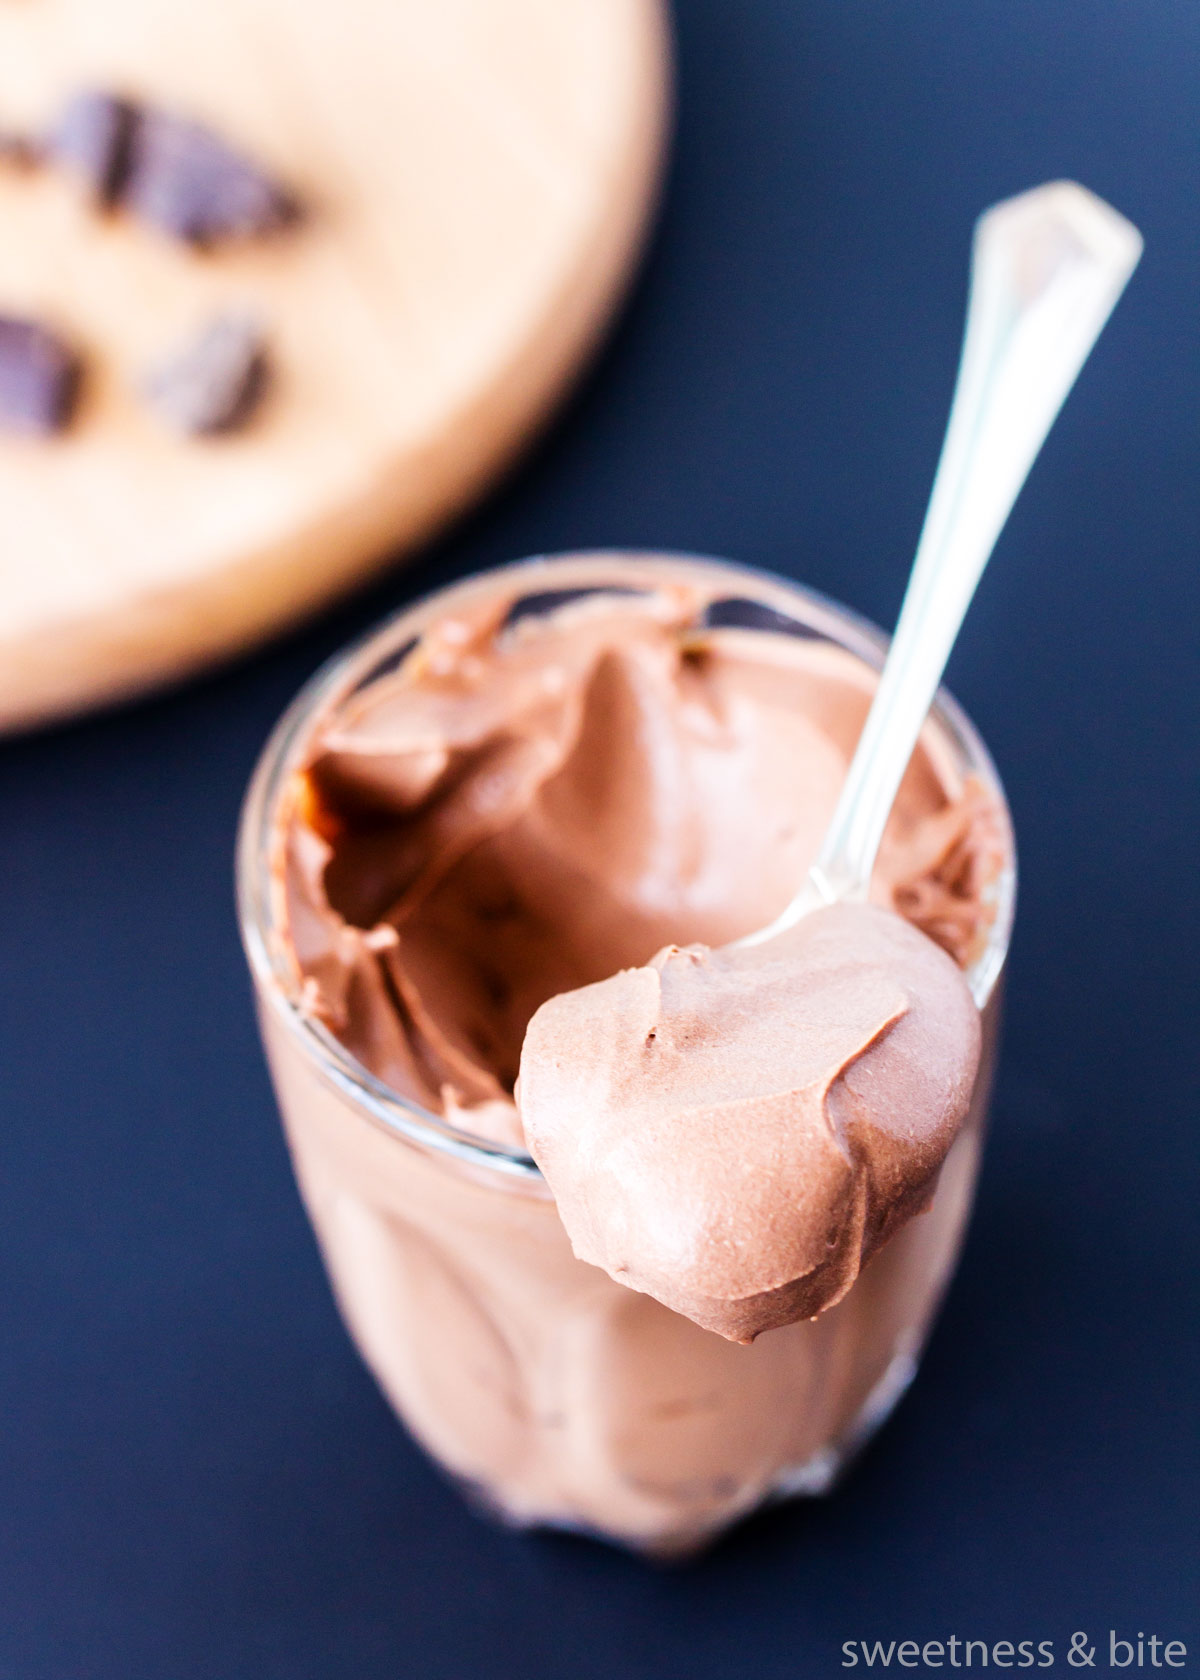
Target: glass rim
{"points": [[360, 662]]}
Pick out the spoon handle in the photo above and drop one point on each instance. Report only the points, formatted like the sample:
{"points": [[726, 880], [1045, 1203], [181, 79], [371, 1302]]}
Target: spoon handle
{"points": [[1046, 269]]}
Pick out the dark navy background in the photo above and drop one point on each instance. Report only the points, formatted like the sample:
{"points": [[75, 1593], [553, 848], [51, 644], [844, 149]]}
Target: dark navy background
{"points": [[197, 1478]]}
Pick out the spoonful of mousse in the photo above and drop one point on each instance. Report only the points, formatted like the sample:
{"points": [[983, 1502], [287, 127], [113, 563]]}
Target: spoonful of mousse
{"points": [[736, 1131]]}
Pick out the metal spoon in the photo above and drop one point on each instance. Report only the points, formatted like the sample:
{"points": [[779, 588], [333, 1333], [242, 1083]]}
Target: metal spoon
{"points": [[1046, 269]]}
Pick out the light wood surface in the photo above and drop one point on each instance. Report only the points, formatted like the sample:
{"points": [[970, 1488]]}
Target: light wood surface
{"points": [[480, 173]]}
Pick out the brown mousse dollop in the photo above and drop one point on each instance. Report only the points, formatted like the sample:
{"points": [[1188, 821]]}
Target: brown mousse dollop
{"points": [[736, 1132], [544, 792]]}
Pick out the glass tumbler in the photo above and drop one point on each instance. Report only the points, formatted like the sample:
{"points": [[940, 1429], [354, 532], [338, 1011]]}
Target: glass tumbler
{"points": [[553, 1394]]}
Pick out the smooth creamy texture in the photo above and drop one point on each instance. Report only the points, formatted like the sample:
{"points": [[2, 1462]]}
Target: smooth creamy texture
{"points": [[523, 808], [736, 1132], [665, 795], [558, 1396]]}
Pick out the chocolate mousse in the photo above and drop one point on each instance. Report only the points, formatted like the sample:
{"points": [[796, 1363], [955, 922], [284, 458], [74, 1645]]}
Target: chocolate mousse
{"points": [[482, 825], [539, 796], [736, 1132]]}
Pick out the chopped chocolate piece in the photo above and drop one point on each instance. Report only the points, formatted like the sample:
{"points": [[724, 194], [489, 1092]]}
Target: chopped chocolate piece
{"points": [[39, 377], [217, 381], [94, 139], [184, 179], [173, 173]]}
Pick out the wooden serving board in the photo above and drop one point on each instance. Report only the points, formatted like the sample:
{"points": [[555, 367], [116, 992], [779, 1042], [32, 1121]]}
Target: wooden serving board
{"points": [[479, 174]]}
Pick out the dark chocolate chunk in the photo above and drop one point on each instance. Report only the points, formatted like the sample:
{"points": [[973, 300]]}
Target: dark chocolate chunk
{"points": [[39, 377], [216, 381], [94, 139], [187, 181]]}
